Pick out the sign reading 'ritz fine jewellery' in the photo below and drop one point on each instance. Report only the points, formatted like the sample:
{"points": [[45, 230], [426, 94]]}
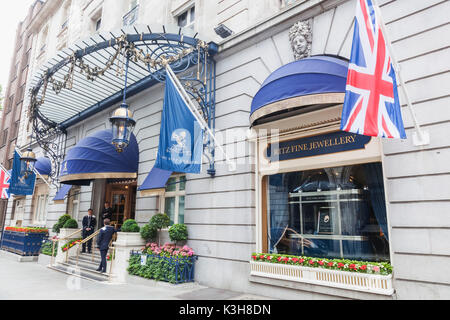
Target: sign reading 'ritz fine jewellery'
{"points": [[317, 145]]}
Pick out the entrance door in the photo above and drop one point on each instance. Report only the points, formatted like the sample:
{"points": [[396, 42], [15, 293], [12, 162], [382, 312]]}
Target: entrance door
{"points": [[122, 198], [118, 204]]}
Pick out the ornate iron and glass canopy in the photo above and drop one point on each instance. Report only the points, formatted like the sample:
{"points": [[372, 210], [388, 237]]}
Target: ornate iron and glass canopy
{"points": [[88, 77]]}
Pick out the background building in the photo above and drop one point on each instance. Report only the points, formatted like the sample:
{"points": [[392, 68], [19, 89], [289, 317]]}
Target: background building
{"points": [[224, 214], [15, 92]]}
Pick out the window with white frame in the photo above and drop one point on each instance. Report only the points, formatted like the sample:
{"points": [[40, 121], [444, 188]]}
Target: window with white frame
{"points": [[186, 19], [40, 205], [174, 199], [73, 202]]}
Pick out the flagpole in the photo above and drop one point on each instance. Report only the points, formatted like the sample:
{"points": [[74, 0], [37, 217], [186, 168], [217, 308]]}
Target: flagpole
{"points": [[423, 137], [197, 115]]}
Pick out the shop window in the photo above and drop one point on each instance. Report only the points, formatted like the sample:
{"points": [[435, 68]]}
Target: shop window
{"points": [[5, 137], [328, 213], [174, 199], [187, 19]]}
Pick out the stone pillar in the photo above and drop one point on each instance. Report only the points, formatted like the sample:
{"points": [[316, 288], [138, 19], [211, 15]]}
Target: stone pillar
{"points": [[63, 233], [126, 242]]}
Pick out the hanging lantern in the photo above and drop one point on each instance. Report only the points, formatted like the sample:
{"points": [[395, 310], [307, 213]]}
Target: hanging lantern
{"points": [[122, 126], [27, 162]]}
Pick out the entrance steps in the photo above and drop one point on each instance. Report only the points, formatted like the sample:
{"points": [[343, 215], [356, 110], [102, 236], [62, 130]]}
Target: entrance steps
{"points": [[84, 268]]}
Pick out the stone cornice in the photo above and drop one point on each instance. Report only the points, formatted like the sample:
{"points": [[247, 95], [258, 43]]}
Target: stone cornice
{"points": [[275, 24]]}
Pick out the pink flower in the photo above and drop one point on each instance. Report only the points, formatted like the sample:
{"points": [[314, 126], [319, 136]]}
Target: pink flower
{"points": [[279, 259], [376, 269]]}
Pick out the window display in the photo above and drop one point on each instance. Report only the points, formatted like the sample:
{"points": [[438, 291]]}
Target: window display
{"points": [[330, 213]]}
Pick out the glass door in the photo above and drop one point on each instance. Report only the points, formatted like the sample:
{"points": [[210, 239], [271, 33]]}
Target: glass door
{"points": [[118, 204]]}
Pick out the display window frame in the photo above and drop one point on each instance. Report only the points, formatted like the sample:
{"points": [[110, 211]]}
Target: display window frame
{"points": [[316, 123]]}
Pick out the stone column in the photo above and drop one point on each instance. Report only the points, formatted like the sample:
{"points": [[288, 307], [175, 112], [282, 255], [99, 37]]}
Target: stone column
{"points": [[126, 242]]}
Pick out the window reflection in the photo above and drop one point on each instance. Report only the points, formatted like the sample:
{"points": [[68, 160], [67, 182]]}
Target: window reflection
{"points": [[330, 213]]}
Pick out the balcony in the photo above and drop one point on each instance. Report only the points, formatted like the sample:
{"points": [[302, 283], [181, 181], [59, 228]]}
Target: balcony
{"points": [[131, 17]]}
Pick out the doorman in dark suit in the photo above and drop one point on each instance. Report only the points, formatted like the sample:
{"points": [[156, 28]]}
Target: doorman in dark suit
{"points": [[107, 212], [103, 240], [89, 224]]}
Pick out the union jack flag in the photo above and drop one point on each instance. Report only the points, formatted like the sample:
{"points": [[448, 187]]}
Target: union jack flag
{"points": [[4, 183], [372, 105]]}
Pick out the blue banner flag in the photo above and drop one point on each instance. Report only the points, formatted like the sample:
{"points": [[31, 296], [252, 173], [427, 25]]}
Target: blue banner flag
{"points": [[181, 136], [18, 184]]}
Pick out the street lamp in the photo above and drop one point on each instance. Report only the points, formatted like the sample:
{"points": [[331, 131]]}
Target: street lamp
{"points": [[27, 162], [122, 126], [122, 119]]}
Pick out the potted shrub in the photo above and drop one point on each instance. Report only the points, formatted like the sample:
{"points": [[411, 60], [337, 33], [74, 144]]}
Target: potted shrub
{"points": [[129, 234], [160, 221], [61, 221], [130, 225], [70, 224], [149, 232], [178, 232]]}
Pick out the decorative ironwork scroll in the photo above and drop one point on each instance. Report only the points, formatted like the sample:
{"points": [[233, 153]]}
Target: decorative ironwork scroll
{"points": [[190, 58]]}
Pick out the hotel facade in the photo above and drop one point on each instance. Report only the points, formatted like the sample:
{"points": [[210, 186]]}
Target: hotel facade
{"points": [[300, 187]]}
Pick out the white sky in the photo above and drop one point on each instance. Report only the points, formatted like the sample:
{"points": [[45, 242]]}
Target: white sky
{"points": [[11, 13]]}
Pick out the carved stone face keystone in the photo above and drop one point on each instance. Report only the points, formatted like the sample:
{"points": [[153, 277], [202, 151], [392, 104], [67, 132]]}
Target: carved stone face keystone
{"points": [[300, 36]]}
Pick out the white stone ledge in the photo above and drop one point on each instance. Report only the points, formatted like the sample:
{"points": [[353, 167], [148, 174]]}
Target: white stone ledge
{"points": [[361, 282]]}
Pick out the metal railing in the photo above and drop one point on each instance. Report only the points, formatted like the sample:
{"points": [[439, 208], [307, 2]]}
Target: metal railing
{"points": [[70, 236]]}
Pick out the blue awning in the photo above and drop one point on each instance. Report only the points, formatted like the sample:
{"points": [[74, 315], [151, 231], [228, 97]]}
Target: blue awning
{"points": [[43, 166], [309, 81], [156, 180], [94, 157], [62, 192]]}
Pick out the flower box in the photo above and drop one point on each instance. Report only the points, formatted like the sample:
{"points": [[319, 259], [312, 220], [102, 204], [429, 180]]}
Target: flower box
{"points": [[364, 282], [167, 263], [23, 242]]}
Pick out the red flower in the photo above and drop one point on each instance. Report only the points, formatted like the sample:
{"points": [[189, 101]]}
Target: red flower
{"points": [[301, 260], [363, 267], [352, 266], [279, 259], [311, 262], [295, 260], [330, 264], [286, 260], [340, 265], [269, 258], [261, 257], [254, 257], [321, 262]]}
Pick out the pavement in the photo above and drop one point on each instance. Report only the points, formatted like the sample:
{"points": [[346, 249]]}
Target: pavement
{"points": [[33, 281]]}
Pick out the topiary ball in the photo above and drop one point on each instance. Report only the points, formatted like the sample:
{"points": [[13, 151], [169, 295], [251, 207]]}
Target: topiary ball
{"points": [[149, 232], [61, 221], [178, 232], [160, 220], [130, 225], [70, 224]]}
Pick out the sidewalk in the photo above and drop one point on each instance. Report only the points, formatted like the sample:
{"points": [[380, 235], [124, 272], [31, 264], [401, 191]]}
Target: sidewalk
{"points": [[32, 281]]}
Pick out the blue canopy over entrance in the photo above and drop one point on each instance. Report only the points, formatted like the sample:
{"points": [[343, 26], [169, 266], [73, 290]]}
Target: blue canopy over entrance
{"points": [[314, 80], [94, 157]]}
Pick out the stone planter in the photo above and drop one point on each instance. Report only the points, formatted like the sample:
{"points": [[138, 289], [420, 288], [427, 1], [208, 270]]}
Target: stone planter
{"points": [[126, 243], [63, 233]]}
